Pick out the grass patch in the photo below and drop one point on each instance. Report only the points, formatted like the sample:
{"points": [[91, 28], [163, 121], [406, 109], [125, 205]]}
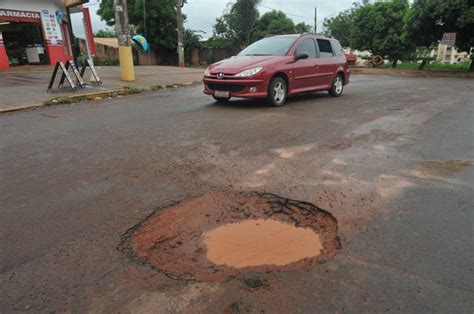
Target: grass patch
{"points": [[158, 87], [134, 90], [462, 66]]}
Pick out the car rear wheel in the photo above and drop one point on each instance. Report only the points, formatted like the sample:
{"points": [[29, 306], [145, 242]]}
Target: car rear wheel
{"points": [[337, 86], [277, 92], [221, 99]]}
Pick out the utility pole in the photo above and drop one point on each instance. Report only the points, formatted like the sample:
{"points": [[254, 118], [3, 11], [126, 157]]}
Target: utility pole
{"points": [[179, 5], [146, 36], [315, 19], [125, 46]]}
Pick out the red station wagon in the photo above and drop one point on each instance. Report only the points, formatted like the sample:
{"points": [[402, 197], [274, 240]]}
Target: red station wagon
{"points": [[280, 66]]}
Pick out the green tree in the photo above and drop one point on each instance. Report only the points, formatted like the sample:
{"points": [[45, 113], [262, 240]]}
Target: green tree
{"points": [[218, 42], [379, 28], [106, 33], [341, 26], [429, 19], [302, 27], [239, 24], [192, 40], [274, 23], [161, 20]]}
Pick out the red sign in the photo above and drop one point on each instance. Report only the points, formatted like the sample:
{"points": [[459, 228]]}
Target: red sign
{"points": [[89, 31], [19, 16]]}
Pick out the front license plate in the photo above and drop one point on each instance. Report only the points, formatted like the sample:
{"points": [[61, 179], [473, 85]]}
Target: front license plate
{"points": [[221, 94]]}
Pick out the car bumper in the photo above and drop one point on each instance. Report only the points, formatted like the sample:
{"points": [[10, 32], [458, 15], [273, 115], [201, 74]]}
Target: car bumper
{"points": [[245, 88]]}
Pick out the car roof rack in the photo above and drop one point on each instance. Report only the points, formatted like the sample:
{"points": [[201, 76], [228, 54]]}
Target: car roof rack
{"points": [[302, 34], [318, 34]]}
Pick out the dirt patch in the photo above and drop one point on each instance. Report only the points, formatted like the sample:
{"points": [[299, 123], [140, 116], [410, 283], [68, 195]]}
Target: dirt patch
{"points": [[373, 136], [442, 168], [180, 240]]}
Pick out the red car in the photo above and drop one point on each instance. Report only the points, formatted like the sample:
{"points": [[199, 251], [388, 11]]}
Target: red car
{"points": [[280, 66]]}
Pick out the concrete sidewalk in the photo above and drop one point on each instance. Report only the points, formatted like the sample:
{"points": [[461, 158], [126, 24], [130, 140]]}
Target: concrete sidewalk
{"points": [[25, 87]]}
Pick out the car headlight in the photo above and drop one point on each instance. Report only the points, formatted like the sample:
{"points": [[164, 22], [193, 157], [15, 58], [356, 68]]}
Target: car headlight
{"points": [[249, 72], [207, 73]]}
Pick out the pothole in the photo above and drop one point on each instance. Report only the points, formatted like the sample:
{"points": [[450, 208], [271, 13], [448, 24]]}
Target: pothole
{"points": [[220, 235]]}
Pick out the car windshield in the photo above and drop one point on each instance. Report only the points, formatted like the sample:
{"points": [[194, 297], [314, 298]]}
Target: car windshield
{"points": [[271, 46]]}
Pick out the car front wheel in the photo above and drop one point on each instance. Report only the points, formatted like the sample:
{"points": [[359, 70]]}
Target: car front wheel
{"points": [[337, 86], [277, 92]]}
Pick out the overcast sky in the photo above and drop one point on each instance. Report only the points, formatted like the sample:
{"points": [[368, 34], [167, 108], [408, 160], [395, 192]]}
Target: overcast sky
{"points": [[201, 14]]}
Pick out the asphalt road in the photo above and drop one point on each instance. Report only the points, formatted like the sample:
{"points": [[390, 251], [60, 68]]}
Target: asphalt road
{"points": [[391, 160]]}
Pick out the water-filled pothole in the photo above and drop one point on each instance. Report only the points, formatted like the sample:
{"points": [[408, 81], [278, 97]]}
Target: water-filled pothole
{"points": [[219, 235], [260, 242]]}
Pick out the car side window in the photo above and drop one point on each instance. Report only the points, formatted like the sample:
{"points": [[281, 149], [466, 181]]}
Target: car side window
{"points": [[338, 51], [307, 46], [325, 48]]}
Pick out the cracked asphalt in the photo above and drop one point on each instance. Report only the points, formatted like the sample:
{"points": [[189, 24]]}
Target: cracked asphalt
{"points": [[392, 160]]}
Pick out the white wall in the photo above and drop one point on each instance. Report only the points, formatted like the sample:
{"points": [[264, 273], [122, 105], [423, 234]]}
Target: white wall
{"points": [[31, 5]]}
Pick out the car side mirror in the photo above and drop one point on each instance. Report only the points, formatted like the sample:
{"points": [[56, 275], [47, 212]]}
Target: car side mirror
{"points": [[301, 56]]}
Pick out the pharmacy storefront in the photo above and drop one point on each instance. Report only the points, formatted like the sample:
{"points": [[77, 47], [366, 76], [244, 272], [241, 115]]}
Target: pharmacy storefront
{"points": [[34, 32]]}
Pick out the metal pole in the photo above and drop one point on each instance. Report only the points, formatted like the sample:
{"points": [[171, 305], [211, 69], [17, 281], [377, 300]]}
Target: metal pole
{"points": [[125, 46], [88, 47], [72, 40], [179, 4], [315, 19], [146, 36]]}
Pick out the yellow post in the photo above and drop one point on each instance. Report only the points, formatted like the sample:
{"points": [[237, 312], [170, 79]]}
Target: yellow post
{"points": [[126, 64], [125, 46]]}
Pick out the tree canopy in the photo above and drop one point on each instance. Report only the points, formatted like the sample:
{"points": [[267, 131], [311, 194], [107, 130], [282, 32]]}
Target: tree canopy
{"points": [[239, 23], [379, 28], [396, 30], [106, 33], [429, 19], [161, 20], [242, 25], [274, 23], [340, 26], [303, 28]]}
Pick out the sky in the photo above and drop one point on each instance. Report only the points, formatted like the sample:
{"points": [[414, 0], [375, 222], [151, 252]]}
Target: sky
{"points": [[201, 14]]}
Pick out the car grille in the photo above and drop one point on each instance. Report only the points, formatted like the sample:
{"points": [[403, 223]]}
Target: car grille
{"points": [[226, 87]]}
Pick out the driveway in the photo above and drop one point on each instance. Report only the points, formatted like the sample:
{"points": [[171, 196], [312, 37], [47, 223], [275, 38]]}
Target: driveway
{"points": [[391, 160]]}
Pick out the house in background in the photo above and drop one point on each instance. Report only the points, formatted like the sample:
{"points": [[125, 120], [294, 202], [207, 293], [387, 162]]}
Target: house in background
{"points": [[449, 55]]}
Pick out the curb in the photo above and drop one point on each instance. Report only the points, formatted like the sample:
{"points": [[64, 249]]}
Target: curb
{"points": [[86, 97], [19, 108], [98, 95], [411, 73]]}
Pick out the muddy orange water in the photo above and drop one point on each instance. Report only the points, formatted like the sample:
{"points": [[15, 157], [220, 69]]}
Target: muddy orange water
{"points": [[260, 242]]}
